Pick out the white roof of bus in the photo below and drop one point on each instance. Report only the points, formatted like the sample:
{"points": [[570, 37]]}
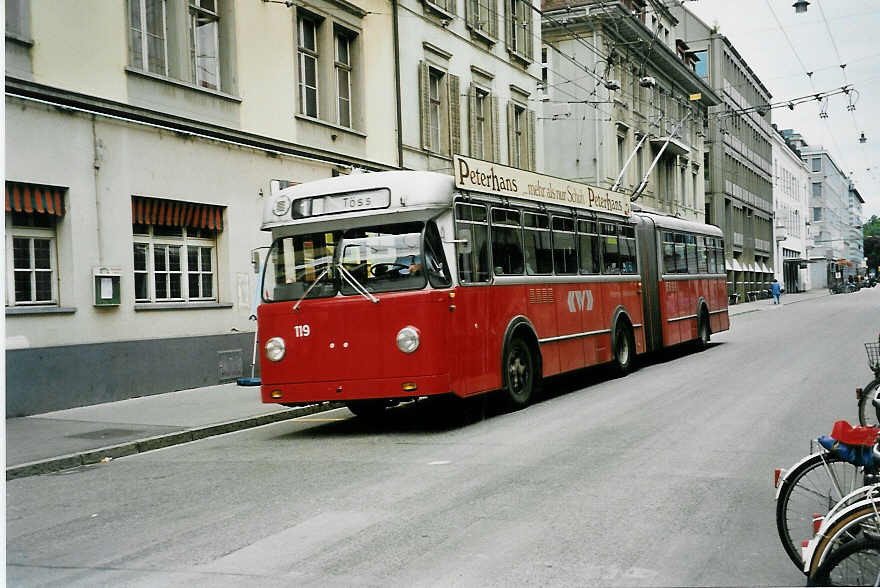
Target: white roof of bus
{"points": [[679, 224], [417, 189]]}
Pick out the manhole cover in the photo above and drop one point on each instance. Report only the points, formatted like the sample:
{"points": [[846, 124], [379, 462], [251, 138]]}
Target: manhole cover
{"points": [[104, 434]]}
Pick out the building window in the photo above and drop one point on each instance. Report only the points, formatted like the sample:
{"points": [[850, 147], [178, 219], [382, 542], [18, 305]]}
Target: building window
{"points": [[175, 250], [440, 119], [31, 262], [817, 213], [817, 164], [308, 66], [18, 19], [518, 21], [343, 78], [517, 133], [482, 17], [817, 190], [204, 39], [701, 67], [483, 124], [521, 136], [148, 48]]}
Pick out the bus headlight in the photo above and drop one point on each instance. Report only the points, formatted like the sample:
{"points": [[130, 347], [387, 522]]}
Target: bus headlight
{"points": [[408, 339], [275, 348], [302, 208]]}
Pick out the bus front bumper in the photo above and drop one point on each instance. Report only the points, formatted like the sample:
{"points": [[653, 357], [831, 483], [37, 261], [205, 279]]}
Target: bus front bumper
{"points": [[341, 390]]}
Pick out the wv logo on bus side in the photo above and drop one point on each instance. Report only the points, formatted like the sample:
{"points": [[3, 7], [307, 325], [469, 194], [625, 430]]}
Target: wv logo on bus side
{"points": [[576, 300]]}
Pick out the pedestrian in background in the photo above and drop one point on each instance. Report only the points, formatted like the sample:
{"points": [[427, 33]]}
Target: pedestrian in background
{"points": [[774, 289]]}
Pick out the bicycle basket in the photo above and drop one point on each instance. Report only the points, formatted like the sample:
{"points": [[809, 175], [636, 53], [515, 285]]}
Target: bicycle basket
{"points": [[873, 351]]}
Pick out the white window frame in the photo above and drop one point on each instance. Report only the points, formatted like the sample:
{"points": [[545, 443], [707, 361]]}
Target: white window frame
{"points": [[343, 105], [519, 116], [195, 11], [310, 54], [30, 233], [146, 34], [435, 106], [185, 241]]}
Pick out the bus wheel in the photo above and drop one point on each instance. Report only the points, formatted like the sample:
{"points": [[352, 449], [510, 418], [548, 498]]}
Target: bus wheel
{"points": [[519, 371], [624, 349], [704, 332], [367, 409]]}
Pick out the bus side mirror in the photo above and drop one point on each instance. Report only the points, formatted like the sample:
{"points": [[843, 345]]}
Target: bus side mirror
{"points": [[255, 261]]}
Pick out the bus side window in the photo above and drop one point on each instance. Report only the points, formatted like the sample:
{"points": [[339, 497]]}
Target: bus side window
{"points": [[507, 249], [610, 249], [680, 259], [720, 266], [691, 254], [538, 249], [435, 259], [472, 226], [702, 257], [564, 251], [668, 253], [588, 245], [628, 263]]}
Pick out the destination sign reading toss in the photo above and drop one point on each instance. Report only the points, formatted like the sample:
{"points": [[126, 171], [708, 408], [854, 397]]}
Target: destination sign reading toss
{"points": [[484, 176]]}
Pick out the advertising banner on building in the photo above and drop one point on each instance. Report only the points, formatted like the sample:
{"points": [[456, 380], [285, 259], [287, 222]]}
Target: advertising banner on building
{"points": [[485, 176]]}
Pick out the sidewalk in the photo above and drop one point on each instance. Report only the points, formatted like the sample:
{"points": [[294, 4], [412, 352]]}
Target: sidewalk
{"points": [[65, 439], [80, 436], [767, 303]]}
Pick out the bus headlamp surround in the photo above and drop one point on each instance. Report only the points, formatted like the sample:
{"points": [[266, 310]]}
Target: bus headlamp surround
{"points": [[408, 339], [275, 349]]}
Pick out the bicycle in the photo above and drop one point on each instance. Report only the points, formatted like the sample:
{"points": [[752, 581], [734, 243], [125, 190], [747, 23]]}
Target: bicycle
{"points": [[845, 550], [869, 396], [817, 483]]}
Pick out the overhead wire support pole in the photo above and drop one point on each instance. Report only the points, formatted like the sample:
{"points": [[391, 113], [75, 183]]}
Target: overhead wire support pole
{"points": [[638, 191]]}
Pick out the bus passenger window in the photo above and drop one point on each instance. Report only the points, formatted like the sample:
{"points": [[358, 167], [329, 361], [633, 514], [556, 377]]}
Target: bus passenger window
{"points": [[472, 227], [507, 249], [538, 248], [691, 254], [668, 253], [703, 255], [610, 249], [564, 252], [628, 259], [435, 259], [588, 245], [680, 259]]}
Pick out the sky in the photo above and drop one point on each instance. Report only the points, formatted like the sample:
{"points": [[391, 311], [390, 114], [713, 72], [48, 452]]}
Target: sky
{"points": [[780, 49]]}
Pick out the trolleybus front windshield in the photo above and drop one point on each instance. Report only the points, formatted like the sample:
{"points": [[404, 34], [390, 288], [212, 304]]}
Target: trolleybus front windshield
{"points": [[380, 258]]}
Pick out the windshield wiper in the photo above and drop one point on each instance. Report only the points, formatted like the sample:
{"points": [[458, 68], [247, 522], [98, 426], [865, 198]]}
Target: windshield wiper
{"points": [[357, 286], [315, 283]]}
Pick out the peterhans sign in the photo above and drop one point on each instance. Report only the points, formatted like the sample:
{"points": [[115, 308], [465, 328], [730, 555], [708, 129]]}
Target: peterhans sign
{"points": [[484, 176]]}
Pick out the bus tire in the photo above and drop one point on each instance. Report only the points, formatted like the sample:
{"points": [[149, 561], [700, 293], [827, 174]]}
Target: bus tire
{"points": [[624, 348], [367, 409], [519, 373], [704, 330]]}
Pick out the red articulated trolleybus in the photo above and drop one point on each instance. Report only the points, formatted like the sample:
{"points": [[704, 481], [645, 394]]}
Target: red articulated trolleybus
{"points": [[388, 286]]}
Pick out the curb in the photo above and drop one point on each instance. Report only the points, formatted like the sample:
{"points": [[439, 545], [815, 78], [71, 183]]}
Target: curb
{"points": [[733, 314], [93, 456]]}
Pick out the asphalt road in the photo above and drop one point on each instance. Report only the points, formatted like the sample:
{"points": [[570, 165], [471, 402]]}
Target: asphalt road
{"points": [[660, 478]]}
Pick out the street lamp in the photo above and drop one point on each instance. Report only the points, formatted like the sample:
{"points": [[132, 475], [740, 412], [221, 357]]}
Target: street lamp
{"points": [[800, 6]]}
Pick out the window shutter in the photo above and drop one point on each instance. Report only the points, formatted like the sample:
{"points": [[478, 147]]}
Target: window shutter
{"points": [[493, 18], [496, 135], [454, 115], [424, 96], [532, 120], [511, 135], [508, 25], [470, 18], [472, 121], [527, 15]]}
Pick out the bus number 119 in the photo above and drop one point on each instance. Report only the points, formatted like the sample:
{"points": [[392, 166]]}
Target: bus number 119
{"points": [[301, 330]]}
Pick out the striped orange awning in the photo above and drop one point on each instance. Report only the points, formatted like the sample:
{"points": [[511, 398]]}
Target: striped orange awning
{"points": [[31, 198], [174, 213]]}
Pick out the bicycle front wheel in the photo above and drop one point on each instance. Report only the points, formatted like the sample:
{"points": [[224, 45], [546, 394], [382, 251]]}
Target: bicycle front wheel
{"points": [[813, 487], [869, 415], [855, 564]]}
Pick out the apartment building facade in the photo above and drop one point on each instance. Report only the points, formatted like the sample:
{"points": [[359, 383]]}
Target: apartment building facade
{"points": [[618, 96], [791, 214], [855, 241], [739, 168], [132, 228]]}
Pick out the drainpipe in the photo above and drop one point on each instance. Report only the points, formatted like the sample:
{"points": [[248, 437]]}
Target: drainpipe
{"points": [[397, 84]]}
